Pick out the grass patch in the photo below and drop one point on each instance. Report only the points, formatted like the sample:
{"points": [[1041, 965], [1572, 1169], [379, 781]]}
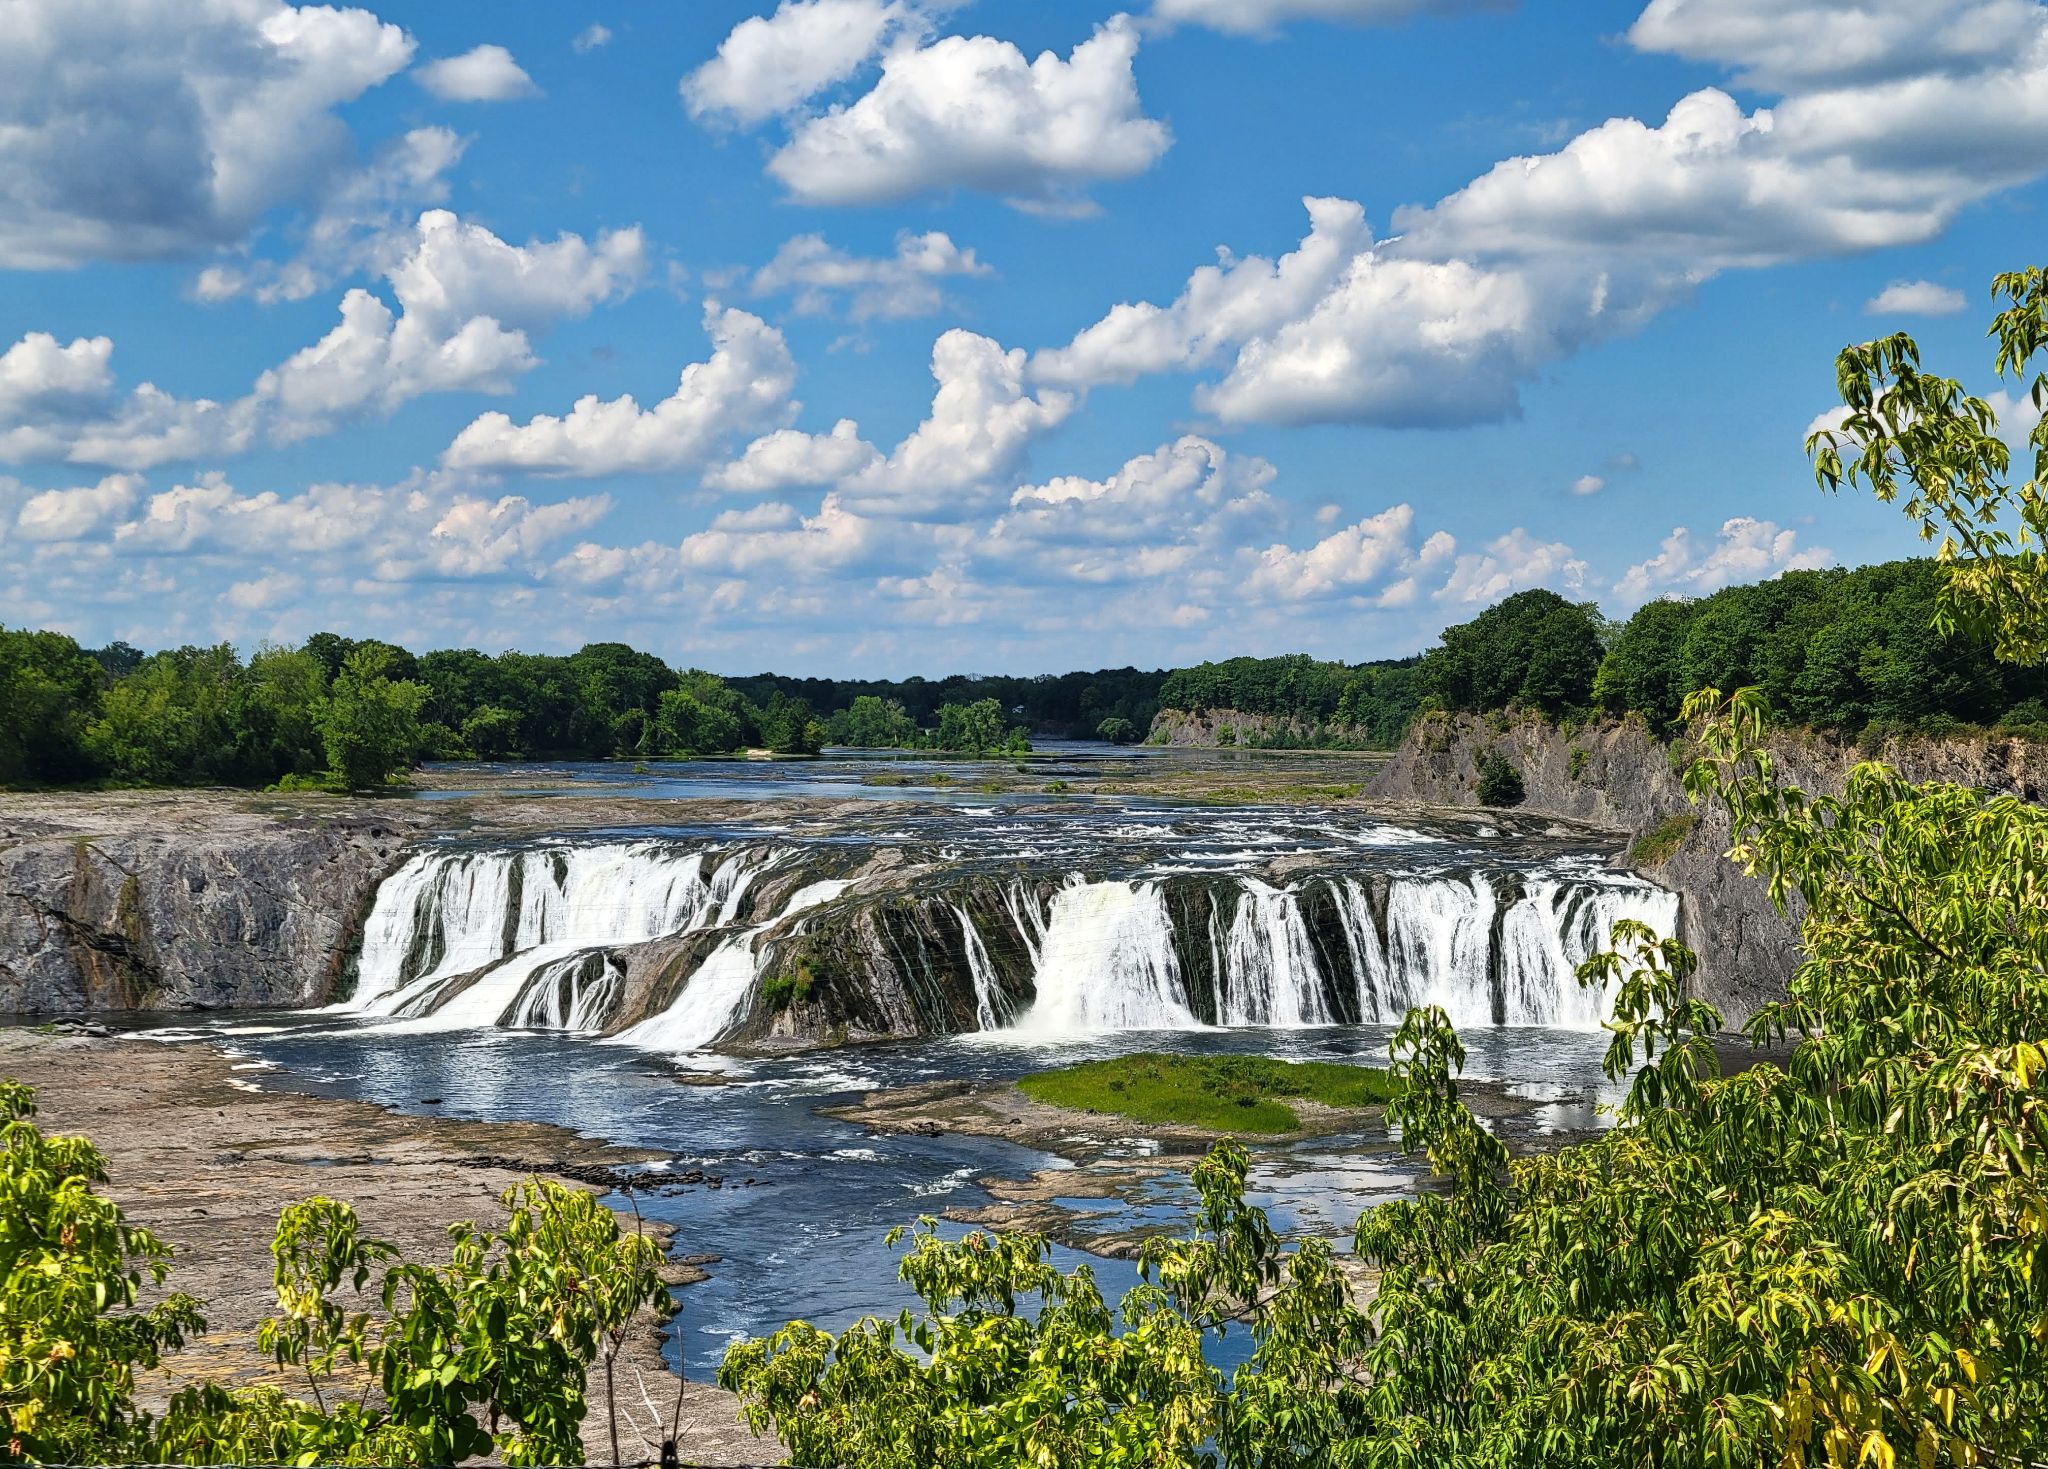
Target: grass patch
{"points": [[1658, 843], [1261, 795], [1221, 1093]]}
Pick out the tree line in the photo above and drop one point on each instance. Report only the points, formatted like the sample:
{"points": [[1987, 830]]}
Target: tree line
{"points": [[351, 714]]}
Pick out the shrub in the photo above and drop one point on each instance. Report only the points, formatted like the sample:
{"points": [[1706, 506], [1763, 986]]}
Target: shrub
{"points": [[1581, 758], [1499, 783], [1656, 845]]}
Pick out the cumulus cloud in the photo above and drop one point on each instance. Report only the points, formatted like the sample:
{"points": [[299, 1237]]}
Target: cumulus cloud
{"points": [[144, 130], [970, 112], [773, 64], [1348, 561], [1916, 298], [591, 37], [819, 278], [1745, 550], [1782, 44], [773, 536], [744, 386], [362, 222], [66, 515], [1512, 563], [981, 423], [483, 74], [1544, 255], [1235, 300], [1588, 484], [791, 459], [466, 302], [1188, 502], [1263, 17]]}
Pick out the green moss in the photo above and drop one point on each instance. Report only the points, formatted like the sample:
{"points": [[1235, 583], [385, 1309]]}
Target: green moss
{"points": [[1656, 845], [1581, 758], [780, 991], [1225, 1094]]}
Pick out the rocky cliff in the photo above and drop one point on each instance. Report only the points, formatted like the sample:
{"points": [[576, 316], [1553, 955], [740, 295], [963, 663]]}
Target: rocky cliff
{"points": [[1614, 774], [148, 900]]}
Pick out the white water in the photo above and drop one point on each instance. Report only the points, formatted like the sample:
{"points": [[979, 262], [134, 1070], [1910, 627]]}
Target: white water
{"points": [[530, 939], [1107, 963]]}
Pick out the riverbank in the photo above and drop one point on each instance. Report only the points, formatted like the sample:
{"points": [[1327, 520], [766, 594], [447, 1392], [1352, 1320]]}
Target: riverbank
{"points": [[204, 1157]]}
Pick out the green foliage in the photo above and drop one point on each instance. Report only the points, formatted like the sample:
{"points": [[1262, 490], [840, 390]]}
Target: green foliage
{"points": [[370, 720], [1499, 783], [1222, 1093], [1576, 768], [1534, 650], [1834, 1260], [871, 722], [48, 688], [486, 1353], [979, 728], [788, 727], [1658, 843], [780, 991], [1117, 730], [1318, 705], [71, 1272]]}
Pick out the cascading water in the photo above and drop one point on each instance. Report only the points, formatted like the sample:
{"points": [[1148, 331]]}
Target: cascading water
{"points": [[665, 943], [1107, 963]]}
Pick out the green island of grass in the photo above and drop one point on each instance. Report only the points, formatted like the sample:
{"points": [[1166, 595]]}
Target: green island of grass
{"points": [[1233, 1094]]}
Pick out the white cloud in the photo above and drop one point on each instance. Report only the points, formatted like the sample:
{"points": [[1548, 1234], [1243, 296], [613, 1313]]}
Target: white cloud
{"points": [[1186, 505], [143, 129], [1512, 563], [1348, 561], [818, 277], [773, 64], [971, 112], [591, 37], [774, 537], [483, 74], [1588, 484], [1236, 299], [1545, 255], [1916, 298], [264, 591], [981, 423], [790, 459], [1782, 44], [67, 515], [1263, 17], [743, 387], [1746, 550], [466, 302], [42, 378], [362, 223]]}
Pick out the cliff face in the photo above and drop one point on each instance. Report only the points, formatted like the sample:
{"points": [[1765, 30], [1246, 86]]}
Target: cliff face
{"points": [[1614, 774], [190, 901]]}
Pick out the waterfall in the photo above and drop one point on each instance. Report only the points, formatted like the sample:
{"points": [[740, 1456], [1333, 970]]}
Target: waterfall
{"points": [[543, 937], [718, 995], [462, 939], [1270, 975], [1439, 938], [1106, 962]]}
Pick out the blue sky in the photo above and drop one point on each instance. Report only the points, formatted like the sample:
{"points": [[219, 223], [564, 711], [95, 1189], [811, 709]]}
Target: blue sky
{"points": [[1257, 325]]}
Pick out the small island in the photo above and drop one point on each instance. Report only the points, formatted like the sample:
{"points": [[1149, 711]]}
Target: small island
{"points": [[1219, 1094]]}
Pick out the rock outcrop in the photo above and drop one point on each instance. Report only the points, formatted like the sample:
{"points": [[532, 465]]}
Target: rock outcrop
{"points": [[1208, 729], [1615, 774], [198, 900]]}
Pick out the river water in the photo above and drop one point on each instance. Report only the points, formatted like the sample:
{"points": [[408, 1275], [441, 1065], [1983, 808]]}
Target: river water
{"points": [[1089, 940]]}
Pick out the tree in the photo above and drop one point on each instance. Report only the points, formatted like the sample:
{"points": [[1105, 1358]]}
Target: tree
{"points": [[788, 727], [977, 729], [71, 1272], [49, 690], [1117, 730], [1534, 649], [1834, 1258], [370, 721], [871, 722]]}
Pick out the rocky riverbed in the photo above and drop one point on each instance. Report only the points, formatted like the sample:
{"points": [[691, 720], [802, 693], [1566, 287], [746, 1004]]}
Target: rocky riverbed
{"points": [[202, 1156]]}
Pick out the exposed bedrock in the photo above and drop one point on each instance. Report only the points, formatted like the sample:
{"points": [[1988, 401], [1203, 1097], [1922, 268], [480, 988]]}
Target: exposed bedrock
{"points": [[1614, 774], [183, 903]]}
